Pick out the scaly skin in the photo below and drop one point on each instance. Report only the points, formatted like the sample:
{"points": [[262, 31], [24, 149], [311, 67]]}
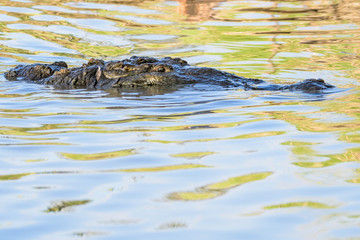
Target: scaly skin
{"points": [[145, 72]]}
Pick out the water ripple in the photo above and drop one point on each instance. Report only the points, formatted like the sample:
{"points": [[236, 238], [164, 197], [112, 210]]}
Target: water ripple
{"points": [[209, 162]]}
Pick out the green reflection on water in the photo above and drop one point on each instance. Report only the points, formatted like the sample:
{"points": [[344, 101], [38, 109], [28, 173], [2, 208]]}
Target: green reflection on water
{"points": [[356, 179], [66, 205], [130, 170], [302, 150], [350, 155], [193, 155], [243, 136], [307, 204], [98, 156], [163, 168], [14, 176], [25, 113], [217, 189]]}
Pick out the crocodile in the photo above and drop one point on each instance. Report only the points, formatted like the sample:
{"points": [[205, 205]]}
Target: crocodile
{"points": [[139, 71]]}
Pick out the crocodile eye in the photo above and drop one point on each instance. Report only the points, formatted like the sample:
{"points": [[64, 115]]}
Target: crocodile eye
{"points": [[183, 62], [126, 67], [160, 69]]}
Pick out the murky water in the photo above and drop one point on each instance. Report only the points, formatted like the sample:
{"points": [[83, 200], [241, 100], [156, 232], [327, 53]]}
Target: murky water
{"points": [[189, 162]]}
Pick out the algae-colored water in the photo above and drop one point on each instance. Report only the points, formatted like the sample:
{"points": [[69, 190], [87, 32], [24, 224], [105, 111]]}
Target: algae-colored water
{"points": [[189, 162]]}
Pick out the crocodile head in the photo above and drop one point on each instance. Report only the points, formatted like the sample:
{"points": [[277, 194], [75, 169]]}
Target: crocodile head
{"points": [[148, 71], [143, 71]]}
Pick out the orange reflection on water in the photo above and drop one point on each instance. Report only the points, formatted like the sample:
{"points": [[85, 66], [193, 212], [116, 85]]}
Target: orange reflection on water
{"points": [[197, 10]]}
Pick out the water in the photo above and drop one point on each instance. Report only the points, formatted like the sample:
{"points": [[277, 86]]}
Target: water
{"points": [[189, 162]]}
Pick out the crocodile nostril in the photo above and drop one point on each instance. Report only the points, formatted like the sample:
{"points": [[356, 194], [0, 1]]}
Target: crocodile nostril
{"points": [[126, 67], [145, 67], [49, 71]]}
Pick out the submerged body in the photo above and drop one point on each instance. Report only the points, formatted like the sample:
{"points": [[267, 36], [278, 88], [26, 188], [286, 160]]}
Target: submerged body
{"points": [[145, 72]]}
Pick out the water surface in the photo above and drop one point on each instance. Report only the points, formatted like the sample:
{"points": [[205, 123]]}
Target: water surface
{"points": [[187, 162]]}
